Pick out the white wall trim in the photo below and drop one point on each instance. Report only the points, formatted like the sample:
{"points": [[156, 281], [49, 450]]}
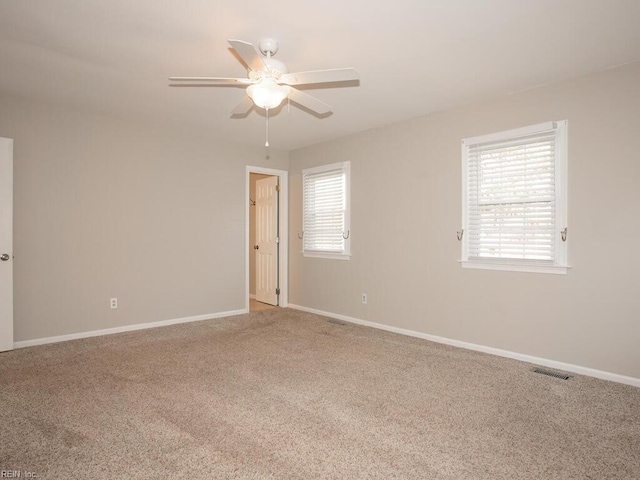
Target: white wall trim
{"points": [[252, 295], [590, 372], [126, 328], [283, 225], [515, 267]]}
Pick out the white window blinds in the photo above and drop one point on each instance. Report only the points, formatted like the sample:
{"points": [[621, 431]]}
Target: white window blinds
{"points": [[325, 209], [514, 200]]}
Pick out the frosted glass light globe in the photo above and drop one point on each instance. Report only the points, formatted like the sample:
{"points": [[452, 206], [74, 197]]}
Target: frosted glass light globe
{"points": [[267, 93]]}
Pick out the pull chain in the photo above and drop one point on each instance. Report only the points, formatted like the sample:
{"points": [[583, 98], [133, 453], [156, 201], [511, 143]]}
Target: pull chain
{"points": [[266, 144]]}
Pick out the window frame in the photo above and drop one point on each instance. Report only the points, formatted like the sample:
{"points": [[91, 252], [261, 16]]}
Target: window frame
{"points": [[559, 264], [346, 168]]}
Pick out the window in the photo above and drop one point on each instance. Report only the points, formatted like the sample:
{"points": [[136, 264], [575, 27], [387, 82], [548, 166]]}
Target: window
{"points": [[514, 200], [325, 211]]}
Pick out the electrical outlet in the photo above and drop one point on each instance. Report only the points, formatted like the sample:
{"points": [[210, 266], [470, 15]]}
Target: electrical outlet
{"points": [[364, 298], [113, 303]]}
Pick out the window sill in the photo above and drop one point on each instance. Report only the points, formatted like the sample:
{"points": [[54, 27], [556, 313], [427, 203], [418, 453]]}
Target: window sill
{"points": [[333, 256], [515, 267]]}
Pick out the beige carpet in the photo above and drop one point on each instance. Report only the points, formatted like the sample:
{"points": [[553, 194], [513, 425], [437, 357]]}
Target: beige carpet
{"points": [[284, 394]]}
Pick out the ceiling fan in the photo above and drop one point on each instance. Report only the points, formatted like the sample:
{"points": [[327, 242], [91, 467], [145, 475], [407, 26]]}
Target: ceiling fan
{"points": [[268, 81]]}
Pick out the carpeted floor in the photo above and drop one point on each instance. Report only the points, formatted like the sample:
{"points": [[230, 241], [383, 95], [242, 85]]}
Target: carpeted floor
{"points": [[285, 394]]}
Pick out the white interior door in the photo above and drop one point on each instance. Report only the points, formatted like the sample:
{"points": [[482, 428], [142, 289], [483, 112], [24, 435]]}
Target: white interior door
{"points": [[266, 240], [6, 244]]}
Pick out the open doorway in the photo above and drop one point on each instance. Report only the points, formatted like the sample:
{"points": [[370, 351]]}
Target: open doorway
{"points": [[266, 245]]}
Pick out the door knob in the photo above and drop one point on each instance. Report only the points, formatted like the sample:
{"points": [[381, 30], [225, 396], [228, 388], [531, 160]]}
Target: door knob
{"points": [[4, 257], [256, 247]]}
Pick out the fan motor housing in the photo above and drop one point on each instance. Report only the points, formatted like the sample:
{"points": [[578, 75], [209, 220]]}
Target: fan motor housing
{"points": [[276, 65]]}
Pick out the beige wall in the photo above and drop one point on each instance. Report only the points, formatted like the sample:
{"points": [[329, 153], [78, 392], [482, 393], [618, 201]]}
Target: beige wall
{"points": [[105, 209], [253, 177], [406, 208]]}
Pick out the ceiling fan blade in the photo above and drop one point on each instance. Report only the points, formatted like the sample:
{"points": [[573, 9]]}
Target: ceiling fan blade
{"points": [[307, 101], [213, 80], [249, 55], [320, 76], [243, 107]]}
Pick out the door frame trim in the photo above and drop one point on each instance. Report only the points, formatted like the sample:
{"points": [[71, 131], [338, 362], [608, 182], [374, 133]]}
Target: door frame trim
{"points": [[283, 225]]}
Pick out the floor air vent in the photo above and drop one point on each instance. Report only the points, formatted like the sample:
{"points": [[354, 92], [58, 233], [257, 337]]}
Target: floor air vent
{"points": [[549, 373], [336, 322]]}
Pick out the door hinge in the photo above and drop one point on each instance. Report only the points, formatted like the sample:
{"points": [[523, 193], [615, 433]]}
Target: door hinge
{"points": [[277, 188], [277, 239], [277, 291]]}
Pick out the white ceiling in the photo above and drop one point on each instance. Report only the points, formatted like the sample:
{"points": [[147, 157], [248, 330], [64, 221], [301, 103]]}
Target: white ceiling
{"points": [[113, 57]]}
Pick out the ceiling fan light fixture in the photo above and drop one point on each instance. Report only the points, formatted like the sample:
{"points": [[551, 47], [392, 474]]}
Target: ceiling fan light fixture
{"points": [[267, 93]]}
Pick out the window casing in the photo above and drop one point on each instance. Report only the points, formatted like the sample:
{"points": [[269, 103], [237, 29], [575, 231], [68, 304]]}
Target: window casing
{"points": [[514, 190], [325, 211]]}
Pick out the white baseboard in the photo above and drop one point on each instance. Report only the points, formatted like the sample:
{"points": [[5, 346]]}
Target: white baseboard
{"points": [[126, 328], [590, 372]]}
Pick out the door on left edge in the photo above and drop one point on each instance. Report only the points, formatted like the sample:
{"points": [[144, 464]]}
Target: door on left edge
{"points": [[6, 244]]}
